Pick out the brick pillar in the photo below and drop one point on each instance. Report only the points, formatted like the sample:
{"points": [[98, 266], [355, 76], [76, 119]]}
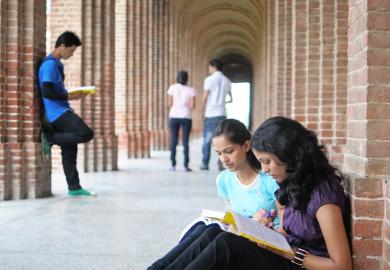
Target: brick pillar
{"points": [[138, 124], [99, 109], [270, 91], [260, 77], [368, 139], [300, 61], [319, 68], [156, 47], [165, 75], [333, 88], [159, 75], [23, 174], [282, 76], [121, 74]]}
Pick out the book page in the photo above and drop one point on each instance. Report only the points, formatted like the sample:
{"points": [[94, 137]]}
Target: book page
{"points": [[260, 233], [213, 214], [206, 221]]}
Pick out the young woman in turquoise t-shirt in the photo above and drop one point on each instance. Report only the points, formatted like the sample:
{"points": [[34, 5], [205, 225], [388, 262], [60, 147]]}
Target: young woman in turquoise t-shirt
{"points": [[246, 189]]}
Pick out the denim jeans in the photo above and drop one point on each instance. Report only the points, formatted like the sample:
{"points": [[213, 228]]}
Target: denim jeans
{"points": [[210, 123], [67, 131], [174, 125]]}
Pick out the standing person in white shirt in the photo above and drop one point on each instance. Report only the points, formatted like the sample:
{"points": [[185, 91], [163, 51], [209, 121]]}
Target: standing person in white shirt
{"points": [[216, 87], [181, 100]]}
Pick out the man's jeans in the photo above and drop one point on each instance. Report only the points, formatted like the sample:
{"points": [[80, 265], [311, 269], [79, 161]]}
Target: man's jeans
{"points": [[210, 123], [67, 131]]}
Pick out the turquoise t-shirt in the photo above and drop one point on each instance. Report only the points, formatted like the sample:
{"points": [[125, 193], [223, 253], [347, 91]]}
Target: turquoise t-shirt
{"points": [[248, 199]]}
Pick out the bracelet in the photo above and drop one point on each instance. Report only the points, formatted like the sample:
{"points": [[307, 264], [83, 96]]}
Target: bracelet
{"points": [[299, 257]]}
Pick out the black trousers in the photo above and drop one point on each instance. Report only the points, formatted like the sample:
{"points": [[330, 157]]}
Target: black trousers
{"points": [[219, 250], [174, 125], [67, 131], [175, 252]]}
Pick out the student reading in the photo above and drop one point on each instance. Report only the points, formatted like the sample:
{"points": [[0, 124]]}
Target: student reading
{"points": [[247, 190], [311, 205]]}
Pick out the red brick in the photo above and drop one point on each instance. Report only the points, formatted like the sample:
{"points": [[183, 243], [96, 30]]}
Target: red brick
{"points": [[367, 247], [364, 263], [367, 228]]}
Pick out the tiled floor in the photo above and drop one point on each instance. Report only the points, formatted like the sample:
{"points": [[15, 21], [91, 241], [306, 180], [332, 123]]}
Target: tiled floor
{"points": [[136, 217]]}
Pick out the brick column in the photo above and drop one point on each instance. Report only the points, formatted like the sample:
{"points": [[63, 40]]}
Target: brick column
{"points": [[99, 109], [270, 91], [368, 139], [23, 174], [300, 62], [159, 74], [138, 124], [333, 84], [121, 74], [165, 75], [318, 68]]}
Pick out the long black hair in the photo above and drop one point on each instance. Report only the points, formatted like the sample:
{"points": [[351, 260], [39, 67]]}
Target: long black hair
{"points": [[298, 148], [237, 133]]}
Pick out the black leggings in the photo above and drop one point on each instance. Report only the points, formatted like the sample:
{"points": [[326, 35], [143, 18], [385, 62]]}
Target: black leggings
{"points": [[216, 249], [175, 252]]}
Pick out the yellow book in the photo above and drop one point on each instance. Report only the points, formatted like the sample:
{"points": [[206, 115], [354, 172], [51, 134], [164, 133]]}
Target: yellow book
{"points": [[82, 89], [251, 229]]}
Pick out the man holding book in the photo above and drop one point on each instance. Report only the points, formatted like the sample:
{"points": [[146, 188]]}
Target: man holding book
{"points": [[61, 125]]}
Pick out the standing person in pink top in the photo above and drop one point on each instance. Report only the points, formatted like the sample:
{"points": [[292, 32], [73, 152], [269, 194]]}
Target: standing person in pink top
{"points": [[181, 100]]}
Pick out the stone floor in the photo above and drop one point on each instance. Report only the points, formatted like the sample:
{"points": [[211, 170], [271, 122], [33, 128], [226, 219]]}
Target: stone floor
{"points": [[137, 216]]}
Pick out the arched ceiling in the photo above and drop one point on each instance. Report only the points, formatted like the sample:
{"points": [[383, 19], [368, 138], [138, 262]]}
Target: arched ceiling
{"points": [[219, 27]]}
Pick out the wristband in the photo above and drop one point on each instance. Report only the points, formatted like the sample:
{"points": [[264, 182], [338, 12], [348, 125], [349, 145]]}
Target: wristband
{"points": [[299, 257]]}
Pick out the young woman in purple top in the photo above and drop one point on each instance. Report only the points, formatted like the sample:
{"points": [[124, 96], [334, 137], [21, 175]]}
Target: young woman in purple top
{"points": [[312, 208]]}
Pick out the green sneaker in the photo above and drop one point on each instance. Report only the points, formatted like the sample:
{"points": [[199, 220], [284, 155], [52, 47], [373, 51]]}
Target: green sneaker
{"points": [[45, 147], [81, 192]]}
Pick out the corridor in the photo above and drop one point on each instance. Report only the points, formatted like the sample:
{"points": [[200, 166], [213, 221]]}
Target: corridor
{"points": [[136, 217], [324, 63]]}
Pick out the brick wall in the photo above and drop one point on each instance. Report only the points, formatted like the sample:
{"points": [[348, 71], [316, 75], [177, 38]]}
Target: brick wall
{"points": [[367, 155], [304, 53], [23, 174], [321, 94]]}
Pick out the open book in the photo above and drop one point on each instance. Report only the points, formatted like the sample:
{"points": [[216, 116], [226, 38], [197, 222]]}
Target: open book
{"points": [[82, 89], [205, 219], [254, 231]]}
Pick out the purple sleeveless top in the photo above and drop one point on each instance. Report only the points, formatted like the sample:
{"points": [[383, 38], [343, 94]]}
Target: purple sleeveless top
{"points": [[303, 229]]}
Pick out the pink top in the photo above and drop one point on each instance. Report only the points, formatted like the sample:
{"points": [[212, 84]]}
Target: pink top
{"points": [[181, 95]]}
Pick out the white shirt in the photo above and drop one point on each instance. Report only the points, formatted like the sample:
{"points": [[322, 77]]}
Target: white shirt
{"points": [[218, 86]]}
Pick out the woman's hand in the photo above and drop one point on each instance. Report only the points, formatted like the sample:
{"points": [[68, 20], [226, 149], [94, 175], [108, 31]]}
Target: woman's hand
{"points": [[265, 217]]}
